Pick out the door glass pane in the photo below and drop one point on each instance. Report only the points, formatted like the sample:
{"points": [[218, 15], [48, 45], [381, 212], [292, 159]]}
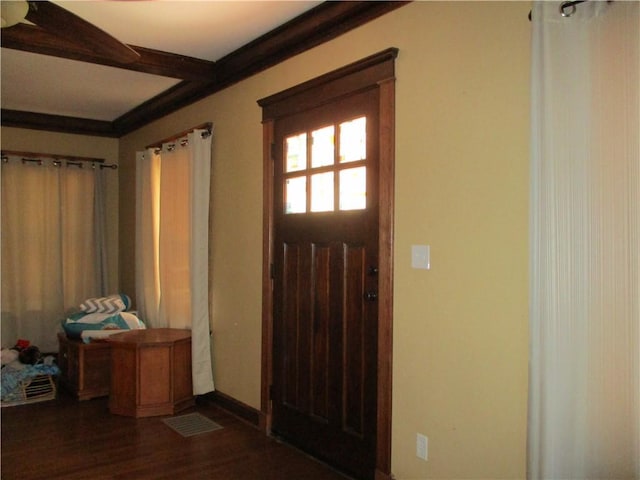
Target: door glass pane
{"points": [[322, 151], [296, 157], [322, 192], [353, 189], [295, 195], [353, 140]]}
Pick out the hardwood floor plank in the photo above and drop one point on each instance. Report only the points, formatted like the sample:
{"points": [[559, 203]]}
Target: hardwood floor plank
{"points": [[71, 440]]}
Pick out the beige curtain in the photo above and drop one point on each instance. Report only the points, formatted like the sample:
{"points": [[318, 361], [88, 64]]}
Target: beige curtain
{"points": [[175, 234], [50, 260], [173, 244]]}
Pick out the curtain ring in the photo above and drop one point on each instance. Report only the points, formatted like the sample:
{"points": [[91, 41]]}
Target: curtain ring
{"points": [[566, 5]]}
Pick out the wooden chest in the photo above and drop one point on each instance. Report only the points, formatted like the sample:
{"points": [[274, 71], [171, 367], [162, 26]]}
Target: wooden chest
{"points": [[84, 367]]}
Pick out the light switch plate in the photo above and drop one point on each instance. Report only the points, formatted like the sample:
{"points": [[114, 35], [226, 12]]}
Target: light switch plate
{"points": [[422, 446], [421, 257]]}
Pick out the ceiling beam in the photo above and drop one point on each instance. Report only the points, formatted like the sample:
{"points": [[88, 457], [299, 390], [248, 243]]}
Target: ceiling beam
{"points": [[320, 24], [30, 38], [57, 123], [162, 104], [310, 29]]}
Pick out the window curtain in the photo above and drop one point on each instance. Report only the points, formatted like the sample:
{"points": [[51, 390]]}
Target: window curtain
{"points": [[147, 235], [172, 244], [53, 251], [584, 395]]}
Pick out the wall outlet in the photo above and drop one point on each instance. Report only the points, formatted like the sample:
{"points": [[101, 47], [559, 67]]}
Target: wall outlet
{"points": [[422, 446]]}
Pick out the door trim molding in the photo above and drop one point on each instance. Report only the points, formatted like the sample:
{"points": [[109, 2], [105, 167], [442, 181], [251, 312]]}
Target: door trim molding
{"points": [[267, 281], [376, 71], [386, 184]]}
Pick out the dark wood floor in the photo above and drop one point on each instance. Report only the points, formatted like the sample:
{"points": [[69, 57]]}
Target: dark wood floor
{"points": [[67, 439]]}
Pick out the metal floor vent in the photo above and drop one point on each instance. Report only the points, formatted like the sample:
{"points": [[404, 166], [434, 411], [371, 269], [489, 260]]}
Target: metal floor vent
{"points": [[191, 424]]}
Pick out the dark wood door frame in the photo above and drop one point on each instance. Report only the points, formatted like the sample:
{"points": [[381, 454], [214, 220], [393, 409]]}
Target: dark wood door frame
{"points": [[379, 71]]}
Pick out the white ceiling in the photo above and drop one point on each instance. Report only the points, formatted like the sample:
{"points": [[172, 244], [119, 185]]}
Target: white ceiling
{"points": [[42, 84], [205, 29]]}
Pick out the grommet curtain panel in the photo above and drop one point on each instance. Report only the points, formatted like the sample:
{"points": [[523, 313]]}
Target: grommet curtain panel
{"points": [[172, 244], [53, 246], [584, 395]]}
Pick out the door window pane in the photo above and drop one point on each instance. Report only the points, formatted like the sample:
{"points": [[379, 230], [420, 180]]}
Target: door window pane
{"points": [[353, 189], [296, 195], [312, 155], [353, 140], [296, 156], [322, 151], [322, 192]]}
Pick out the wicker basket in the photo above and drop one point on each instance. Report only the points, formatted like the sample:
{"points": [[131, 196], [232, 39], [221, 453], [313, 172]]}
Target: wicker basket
{"points": [[35, 389]]}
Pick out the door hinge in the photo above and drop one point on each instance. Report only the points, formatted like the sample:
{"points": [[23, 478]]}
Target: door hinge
{"points": [[273, 151], [270, 392], [271, 271]]}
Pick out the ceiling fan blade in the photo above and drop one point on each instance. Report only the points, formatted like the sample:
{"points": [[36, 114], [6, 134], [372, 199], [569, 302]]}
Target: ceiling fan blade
{"points": [[67, 25]]}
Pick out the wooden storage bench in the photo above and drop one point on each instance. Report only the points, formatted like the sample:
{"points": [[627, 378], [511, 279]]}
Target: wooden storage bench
{"points": [[84, 367]]}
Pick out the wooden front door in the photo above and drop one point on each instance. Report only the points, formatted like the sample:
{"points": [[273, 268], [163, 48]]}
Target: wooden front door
{"points": [[328, 265], [326, 281]]}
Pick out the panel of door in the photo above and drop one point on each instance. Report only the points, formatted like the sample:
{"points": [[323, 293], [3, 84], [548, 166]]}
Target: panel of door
{"points": [[325, 298]]}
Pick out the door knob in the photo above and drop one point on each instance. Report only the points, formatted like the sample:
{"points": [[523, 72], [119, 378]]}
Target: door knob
{"points": [[370, 295]]}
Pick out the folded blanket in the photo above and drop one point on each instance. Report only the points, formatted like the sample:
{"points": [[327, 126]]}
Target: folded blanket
{"points": [[111, 304], [79, 322], [88, 336]]}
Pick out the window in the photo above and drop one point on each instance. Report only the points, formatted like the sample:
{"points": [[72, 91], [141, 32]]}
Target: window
{"points": [[52, 254], [325, 169]]}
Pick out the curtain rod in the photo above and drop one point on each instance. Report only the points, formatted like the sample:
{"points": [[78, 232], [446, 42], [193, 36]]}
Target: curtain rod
{"points": [[208, 126], [54, 156]]}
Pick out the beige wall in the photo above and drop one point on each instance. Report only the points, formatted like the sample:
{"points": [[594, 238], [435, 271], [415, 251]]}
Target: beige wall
{"points": [[460, 329], [37, 141]]}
